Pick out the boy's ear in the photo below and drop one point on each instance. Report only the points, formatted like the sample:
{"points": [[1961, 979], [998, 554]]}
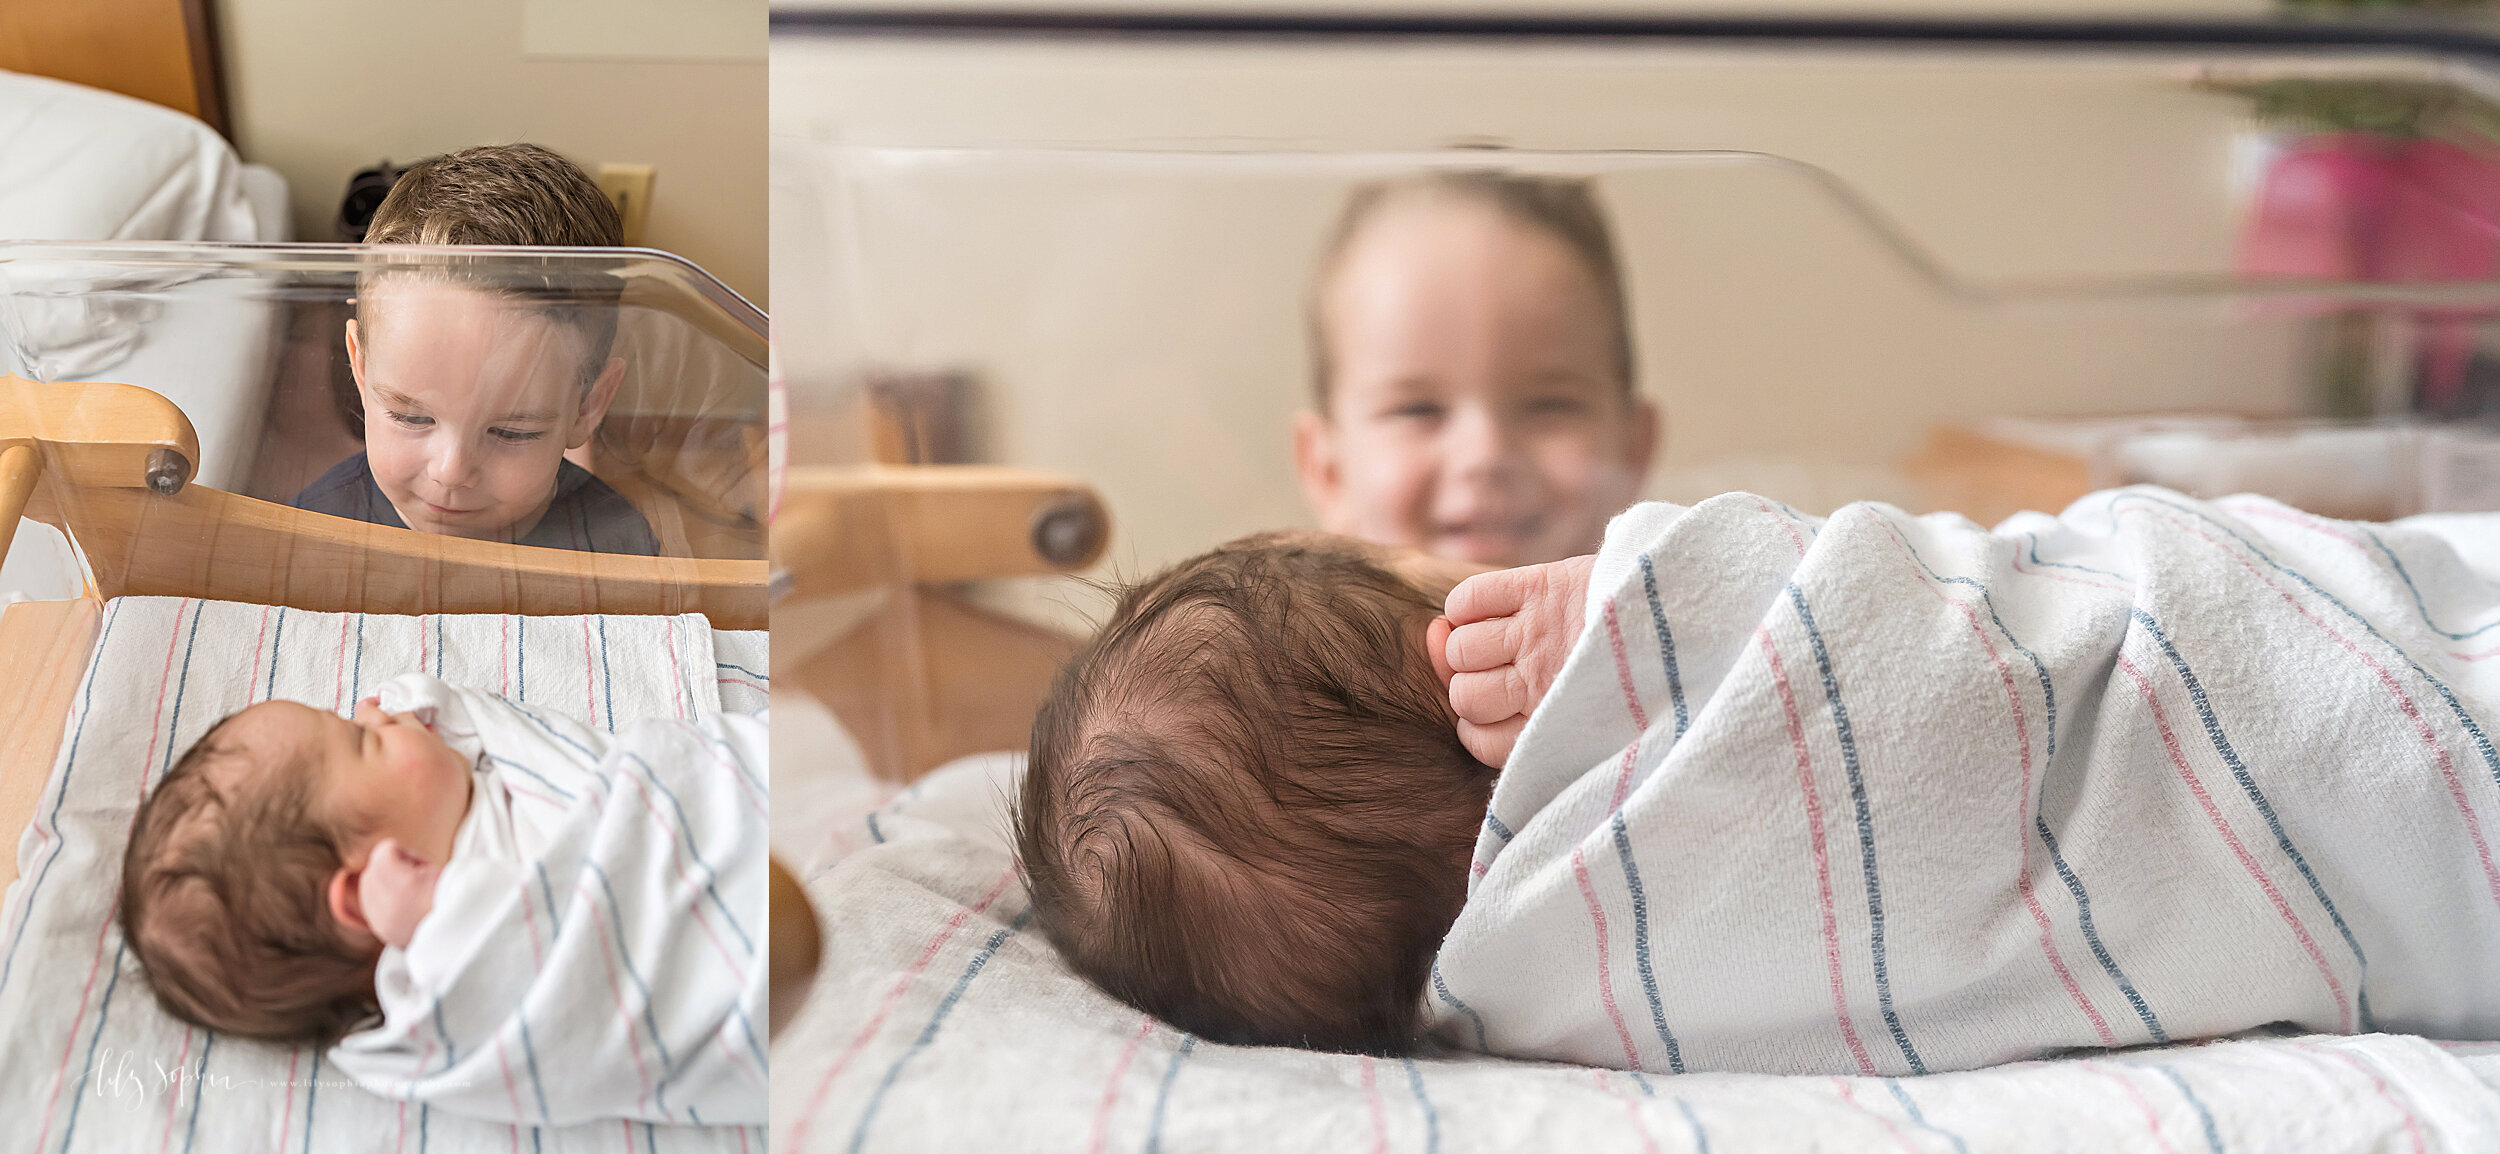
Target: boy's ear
{"points": [[355, 354], [1315, 462], [595, 402], [346, 905], [1647, 428]]}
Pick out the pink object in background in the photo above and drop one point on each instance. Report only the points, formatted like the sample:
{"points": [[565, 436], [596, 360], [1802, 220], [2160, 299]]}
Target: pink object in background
{"points": [[2352, 206]]}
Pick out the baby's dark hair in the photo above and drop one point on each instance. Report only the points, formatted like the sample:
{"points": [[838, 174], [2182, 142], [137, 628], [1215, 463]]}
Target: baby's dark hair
{"points": [[1247, 810], [224, 901]]}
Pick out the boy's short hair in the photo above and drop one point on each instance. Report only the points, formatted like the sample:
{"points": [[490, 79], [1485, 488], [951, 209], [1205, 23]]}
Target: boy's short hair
{"points": [[1564, 208], [1247, 810], [512, 195], [498, 194], [225, 902]]}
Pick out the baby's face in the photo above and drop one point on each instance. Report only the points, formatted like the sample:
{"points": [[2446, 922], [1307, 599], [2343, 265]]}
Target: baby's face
{"points": [[1476, 407], [471, 401], [381, 775]]}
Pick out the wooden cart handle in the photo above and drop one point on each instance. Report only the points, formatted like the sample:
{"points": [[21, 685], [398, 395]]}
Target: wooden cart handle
{"points": [[843, 528]]}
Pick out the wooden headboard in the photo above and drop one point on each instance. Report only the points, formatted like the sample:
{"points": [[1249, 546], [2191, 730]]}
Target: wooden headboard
{"points": [[160, 51]]}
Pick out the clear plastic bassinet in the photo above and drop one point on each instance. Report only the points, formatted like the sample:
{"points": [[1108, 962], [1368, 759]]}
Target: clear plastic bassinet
{"points": [[1950, 263], [503, 391]]}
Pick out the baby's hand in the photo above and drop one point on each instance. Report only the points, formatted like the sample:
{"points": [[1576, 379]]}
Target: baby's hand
{"points": [[1501, 643], [396, 892]]}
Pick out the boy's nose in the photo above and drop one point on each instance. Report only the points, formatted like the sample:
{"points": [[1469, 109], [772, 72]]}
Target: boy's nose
{"points": [[1476, 442], [452, 463]]}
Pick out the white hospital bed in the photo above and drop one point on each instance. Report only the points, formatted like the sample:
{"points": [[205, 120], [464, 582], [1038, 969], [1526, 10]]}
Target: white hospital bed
{"points": [[79, 163]]}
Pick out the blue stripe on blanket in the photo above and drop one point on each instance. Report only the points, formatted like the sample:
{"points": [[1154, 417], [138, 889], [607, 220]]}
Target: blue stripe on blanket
{"points": [[1666, 645], [1432, 1118], [686, 829], [1640, 943], [1163, 1094], [2482, 742], [1442, 988], [989, 949], [2092, 937], [78, 732], [199, 1078], [616, 927], [1866, 829], [2213, 1137], [2265, 809], [1903, 1096], [2048, 701], [104, 1005], [2416, 590]]}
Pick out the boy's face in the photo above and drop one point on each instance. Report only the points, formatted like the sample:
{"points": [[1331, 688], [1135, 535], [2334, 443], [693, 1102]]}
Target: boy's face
{"points": [[381, 775], [471, 401], [1475, 406]]}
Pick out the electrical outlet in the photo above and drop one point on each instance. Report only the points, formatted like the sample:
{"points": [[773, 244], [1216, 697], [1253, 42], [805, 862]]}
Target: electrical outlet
{"points": [[629, 187]]}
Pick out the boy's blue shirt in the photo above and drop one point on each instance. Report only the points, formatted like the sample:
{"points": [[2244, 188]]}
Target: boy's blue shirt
{"points": [[584, 515]]}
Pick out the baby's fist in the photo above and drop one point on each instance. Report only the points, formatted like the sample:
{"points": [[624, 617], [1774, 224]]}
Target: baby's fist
{"points": [[1507, 637]]}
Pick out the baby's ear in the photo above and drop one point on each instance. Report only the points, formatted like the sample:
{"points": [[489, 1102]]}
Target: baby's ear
{"points": [[346, 902], [1437, 644]]}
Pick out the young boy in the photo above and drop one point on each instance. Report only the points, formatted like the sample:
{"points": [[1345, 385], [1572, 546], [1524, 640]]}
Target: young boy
{"points": [[447, 880], [1474, 387], [1871, 795], [476, 381]]}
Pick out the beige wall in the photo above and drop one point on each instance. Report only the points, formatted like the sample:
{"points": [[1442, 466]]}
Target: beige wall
{"points": [[1136, 320], [322, 88]]}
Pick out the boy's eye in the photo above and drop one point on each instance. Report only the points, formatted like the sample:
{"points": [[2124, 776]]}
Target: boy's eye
{"points": [[1556, 406], [517, 436], [412, 420], [1418, 411]]}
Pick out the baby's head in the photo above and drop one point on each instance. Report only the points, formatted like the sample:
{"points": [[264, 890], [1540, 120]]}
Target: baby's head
{"points": [[475, 380], [1474, 387], [244, 885], [1247, 810]]}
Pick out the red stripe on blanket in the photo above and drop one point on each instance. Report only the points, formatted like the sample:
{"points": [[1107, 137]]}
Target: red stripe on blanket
{"points": [[1111, 1090], [2387, 1094], [1640, 1125], [1849, 1094], [286, 1118], [678, 852], [95, 962], [590, 678], [259, 646], [937, 941], [2404, 701], [2213, 815], [2152, 1120], [676, 672], [633, 1037], [1822, 856], [1632, 701], [165, 1137], [1380, 1117], [2022, 807], [1605, 972]]}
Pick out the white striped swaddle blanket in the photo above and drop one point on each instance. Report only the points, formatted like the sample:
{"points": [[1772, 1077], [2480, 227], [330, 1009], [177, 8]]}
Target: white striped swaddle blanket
{"points": [[1884, 795]]}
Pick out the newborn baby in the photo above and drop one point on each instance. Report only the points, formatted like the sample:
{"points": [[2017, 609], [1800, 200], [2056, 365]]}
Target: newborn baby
{"points": [[421, 884], [1875, 795], [1247, 809]]}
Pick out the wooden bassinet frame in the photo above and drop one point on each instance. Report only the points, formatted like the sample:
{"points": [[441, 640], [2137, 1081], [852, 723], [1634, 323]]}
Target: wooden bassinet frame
{"points": [[109, 465]]}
